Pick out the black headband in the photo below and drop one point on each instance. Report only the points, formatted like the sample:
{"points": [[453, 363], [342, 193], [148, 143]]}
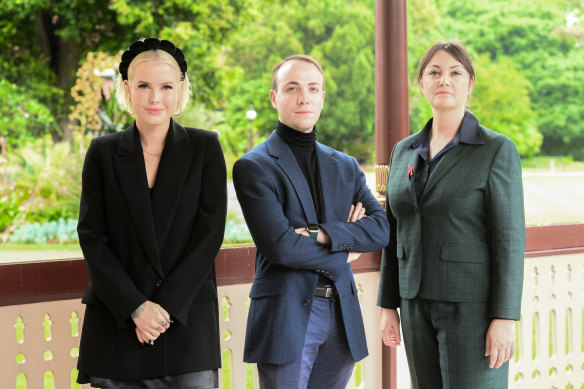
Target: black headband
{"points": [[152, 44]]}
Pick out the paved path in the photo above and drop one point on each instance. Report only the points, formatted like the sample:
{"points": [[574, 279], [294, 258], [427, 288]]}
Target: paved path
{"points": [[554, 198]]}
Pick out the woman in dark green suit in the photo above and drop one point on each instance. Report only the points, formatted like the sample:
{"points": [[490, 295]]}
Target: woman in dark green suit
{"points": [[454, 265]]}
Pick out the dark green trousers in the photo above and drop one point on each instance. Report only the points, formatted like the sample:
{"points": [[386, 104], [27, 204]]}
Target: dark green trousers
{"points": [[445, 345]]}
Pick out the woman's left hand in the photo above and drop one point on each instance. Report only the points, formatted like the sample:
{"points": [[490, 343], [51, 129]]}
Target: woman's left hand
{"points": [[500, 342], [151, 320]]}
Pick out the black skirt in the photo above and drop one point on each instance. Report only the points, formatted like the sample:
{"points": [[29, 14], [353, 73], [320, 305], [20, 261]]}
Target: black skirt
{"points": [[197, 380]]}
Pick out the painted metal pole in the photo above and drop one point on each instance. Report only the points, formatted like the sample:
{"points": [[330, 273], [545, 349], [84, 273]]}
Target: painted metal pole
{"points": [[391, 113], [391, 84]]}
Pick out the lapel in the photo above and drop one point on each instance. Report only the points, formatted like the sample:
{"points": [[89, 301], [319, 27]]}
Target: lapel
{"points": [[447, 162], [328, 170], [175, 163], [131, 172], [278, 149]]}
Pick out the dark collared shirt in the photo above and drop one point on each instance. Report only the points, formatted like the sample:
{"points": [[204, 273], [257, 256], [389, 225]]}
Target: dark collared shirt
{"points": [[467, 133]]}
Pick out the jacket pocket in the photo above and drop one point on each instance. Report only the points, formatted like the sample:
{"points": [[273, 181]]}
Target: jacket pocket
{"points": [[266, 288], [464, 253]]}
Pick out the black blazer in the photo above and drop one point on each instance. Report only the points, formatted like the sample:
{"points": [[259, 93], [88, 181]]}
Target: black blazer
{"points": [[160, 248]]}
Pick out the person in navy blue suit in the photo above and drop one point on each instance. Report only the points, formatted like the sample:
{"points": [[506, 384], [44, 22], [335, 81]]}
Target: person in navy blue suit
{"points": [[310, 213]]}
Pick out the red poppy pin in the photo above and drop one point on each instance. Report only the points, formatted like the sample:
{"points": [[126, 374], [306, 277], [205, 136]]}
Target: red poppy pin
{"points": [[410, 171]]}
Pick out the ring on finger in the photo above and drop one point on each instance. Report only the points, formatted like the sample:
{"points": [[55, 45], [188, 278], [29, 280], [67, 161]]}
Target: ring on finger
{"points": [[163, 323]]}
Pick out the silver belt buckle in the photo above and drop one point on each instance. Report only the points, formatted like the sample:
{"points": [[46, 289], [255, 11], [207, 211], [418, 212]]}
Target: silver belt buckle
{"points": [[330, 292]]}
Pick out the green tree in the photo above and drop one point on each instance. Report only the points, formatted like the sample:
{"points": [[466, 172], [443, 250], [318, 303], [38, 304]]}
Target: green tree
{"points": [[46, 40], [22, 117], [560, 107], [500, 100], [340, 35], [423, 21], [543, 45]]}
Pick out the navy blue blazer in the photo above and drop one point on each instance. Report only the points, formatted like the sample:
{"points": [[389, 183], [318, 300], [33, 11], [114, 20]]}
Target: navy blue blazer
{"points": [[275, 199]]}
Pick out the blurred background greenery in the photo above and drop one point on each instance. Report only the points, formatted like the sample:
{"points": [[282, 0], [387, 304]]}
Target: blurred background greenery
{"points": [[59, 60]]}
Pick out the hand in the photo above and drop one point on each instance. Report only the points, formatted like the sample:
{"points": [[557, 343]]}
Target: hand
{"points": [[500, 342], [151, 320], [356, 212], [389, 327], [143, 337], [353, 257]]}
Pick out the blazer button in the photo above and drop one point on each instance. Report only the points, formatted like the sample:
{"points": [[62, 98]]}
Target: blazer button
{"points": [[306, 301], [158, 283], [416, 211], [340, 246]]}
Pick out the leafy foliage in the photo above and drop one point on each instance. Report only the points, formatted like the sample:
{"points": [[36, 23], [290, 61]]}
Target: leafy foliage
{"points": [[46, 41], [559, 103], [22, 117], [61, 231], [528, 59], [341, 38], [92, 91], [505, 105], [535, 39], [41, 182]]}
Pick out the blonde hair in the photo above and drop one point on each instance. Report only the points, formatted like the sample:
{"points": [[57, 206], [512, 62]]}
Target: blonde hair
{"points": [[184, 92]]}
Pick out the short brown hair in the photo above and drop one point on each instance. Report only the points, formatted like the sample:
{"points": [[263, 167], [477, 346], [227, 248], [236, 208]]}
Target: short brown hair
{"points": [[455, 49], [295, 57]]}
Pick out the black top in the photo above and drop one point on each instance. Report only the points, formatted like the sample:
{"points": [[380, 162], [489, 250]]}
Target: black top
{"points": [[468, 133], [304, 150]]}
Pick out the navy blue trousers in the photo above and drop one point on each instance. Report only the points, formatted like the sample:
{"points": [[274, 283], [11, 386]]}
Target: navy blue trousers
{"points": [[326, 360]]}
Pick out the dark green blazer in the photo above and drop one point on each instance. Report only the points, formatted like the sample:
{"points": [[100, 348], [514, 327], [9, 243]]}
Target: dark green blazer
{"points": [[464, 241]]}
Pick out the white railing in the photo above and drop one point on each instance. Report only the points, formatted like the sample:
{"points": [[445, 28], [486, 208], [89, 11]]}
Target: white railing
{"points": [[40, 341], [550, 349]]}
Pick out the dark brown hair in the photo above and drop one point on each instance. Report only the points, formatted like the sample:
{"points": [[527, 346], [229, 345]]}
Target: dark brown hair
{"points": [[455, 49], [295, 57]]}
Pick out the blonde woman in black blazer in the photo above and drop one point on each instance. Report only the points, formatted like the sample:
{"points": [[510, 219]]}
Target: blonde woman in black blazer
{"points": [[151, 222]]}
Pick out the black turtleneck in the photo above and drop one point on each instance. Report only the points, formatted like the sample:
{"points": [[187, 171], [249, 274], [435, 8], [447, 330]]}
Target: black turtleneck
{"points": [[303, 146]]}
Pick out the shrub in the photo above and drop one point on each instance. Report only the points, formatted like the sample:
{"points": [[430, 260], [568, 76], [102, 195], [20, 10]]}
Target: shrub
{"points": [[41, 182], [61, 231]]}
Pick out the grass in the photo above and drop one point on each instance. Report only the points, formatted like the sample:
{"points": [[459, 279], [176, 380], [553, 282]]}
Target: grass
{"points": [[40, 246], [547, 163], [74, 246]]}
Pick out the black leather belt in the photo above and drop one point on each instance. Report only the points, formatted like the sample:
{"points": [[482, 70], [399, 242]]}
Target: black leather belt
{"points": [[323, 291]]}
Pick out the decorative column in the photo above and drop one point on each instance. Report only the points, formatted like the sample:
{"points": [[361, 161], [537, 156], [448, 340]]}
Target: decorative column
{"points": [[391, 84]]}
